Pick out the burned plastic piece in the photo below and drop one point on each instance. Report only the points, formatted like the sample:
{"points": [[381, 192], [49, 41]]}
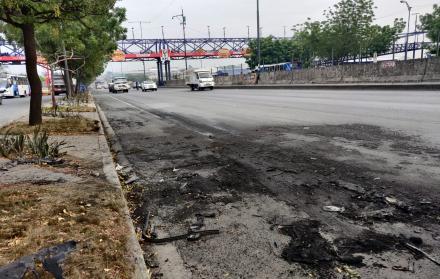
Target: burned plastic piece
{"points": [[190, 236], [51, 258]]}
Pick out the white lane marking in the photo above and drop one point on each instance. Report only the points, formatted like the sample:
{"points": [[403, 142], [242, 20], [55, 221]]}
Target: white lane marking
{"points": [[135, 107], [206, 134]]}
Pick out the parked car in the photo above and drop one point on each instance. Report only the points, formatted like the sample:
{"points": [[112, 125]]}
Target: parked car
{"points": [[121, 86], [148, 85]]}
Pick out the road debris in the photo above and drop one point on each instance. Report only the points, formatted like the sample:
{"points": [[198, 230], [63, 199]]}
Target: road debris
{"points": [[51, 258], [419, 251], [333, 209], [132, 179], [348, 272], [119, 167], [306, 244], [405, 269], [190, 236]]}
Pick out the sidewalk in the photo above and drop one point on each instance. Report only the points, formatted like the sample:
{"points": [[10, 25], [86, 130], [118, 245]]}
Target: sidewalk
{"points": [[78, 201]]}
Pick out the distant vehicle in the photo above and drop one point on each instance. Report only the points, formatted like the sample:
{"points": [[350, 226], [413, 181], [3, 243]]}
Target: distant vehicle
{"points": [[59, 86], [288, 67], [14, 86], [199, 79], [120, 86], [111, 85], [148, 85], [100, 85]]}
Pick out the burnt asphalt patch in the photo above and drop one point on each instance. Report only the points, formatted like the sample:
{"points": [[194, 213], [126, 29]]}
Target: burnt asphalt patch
{"points": [[290, 173]]}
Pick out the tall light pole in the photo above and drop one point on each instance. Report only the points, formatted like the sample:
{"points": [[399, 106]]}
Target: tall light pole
{"points": [[132, 32], [249, 31], [224, 33], [182, 15], [140, 25], [284, 32], [258, 36], [209, 32], [407, 33], [416, 36], [163, 33]]}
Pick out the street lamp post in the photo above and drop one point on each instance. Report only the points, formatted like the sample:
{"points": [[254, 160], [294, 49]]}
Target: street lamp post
{"points": [[407, 33], [248, 31], [224, 33], [182, 15], [163, 33], [258, 36], [416, 36], [284, 32], [132, 32], [140, 25], [209, 32]]}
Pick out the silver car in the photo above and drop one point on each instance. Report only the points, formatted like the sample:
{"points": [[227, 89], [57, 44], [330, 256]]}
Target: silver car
{"points": [[149, 85]]}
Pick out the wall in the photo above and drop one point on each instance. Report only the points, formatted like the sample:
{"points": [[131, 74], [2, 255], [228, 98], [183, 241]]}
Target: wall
{"points": [[176, 82], [426, 70]]}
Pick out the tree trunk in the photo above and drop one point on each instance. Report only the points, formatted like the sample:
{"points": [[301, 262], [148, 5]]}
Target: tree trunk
{"points": [[30, 50]]}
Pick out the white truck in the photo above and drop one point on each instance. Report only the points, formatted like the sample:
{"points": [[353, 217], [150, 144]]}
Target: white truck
{"points": [[199, 79]]}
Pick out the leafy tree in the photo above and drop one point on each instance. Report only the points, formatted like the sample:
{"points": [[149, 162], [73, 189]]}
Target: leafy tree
{"points": [[347, 30], [431, 24], [27, 14]]}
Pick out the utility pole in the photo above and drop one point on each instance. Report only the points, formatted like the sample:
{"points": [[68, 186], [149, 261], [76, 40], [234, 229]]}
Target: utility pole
{"points": [[145, 73], [163, 33], [416, 36], [224, 33], [182, 15], [209, 32], [140, 26], [407, 33], [132, 32], [258, 36], [66, 72], [438, 39], [284, 32], [249, 31]]}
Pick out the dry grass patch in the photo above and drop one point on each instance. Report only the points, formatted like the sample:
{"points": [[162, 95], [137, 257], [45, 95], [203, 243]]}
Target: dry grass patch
{"points": [[57, 126], [35, 217]]}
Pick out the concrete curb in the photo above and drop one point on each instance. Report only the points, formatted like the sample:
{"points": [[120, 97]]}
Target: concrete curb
{"points": [[135, 251], [391, 86]]}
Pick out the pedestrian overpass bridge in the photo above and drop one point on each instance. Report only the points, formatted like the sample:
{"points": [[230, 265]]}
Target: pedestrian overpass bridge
{"points": [[163, 51]]}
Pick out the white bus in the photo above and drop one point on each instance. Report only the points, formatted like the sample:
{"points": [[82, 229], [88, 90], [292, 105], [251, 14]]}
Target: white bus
{"points": [[14, 86]]}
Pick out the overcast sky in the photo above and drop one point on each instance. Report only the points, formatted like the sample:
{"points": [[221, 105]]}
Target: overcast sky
{"points": [[235, 15]]}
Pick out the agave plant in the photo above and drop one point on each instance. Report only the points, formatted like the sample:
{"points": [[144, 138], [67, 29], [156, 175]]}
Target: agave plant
{"points": [[12, 145]]}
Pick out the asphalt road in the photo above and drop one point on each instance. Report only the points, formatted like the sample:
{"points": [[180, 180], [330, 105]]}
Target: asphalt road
{"points": [[416, 113], [302, 184], [13, 109]]}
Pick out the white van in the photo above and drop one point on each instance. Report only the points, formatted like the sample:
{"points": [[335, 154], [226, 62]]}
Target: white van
{"points": [[199, 79]]}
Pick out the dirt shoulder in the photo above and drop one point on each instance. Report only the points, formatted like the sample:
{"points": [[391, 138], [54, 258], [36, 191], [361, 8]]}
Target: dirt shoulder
{"points": [[74, 199], [342, 201]]}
